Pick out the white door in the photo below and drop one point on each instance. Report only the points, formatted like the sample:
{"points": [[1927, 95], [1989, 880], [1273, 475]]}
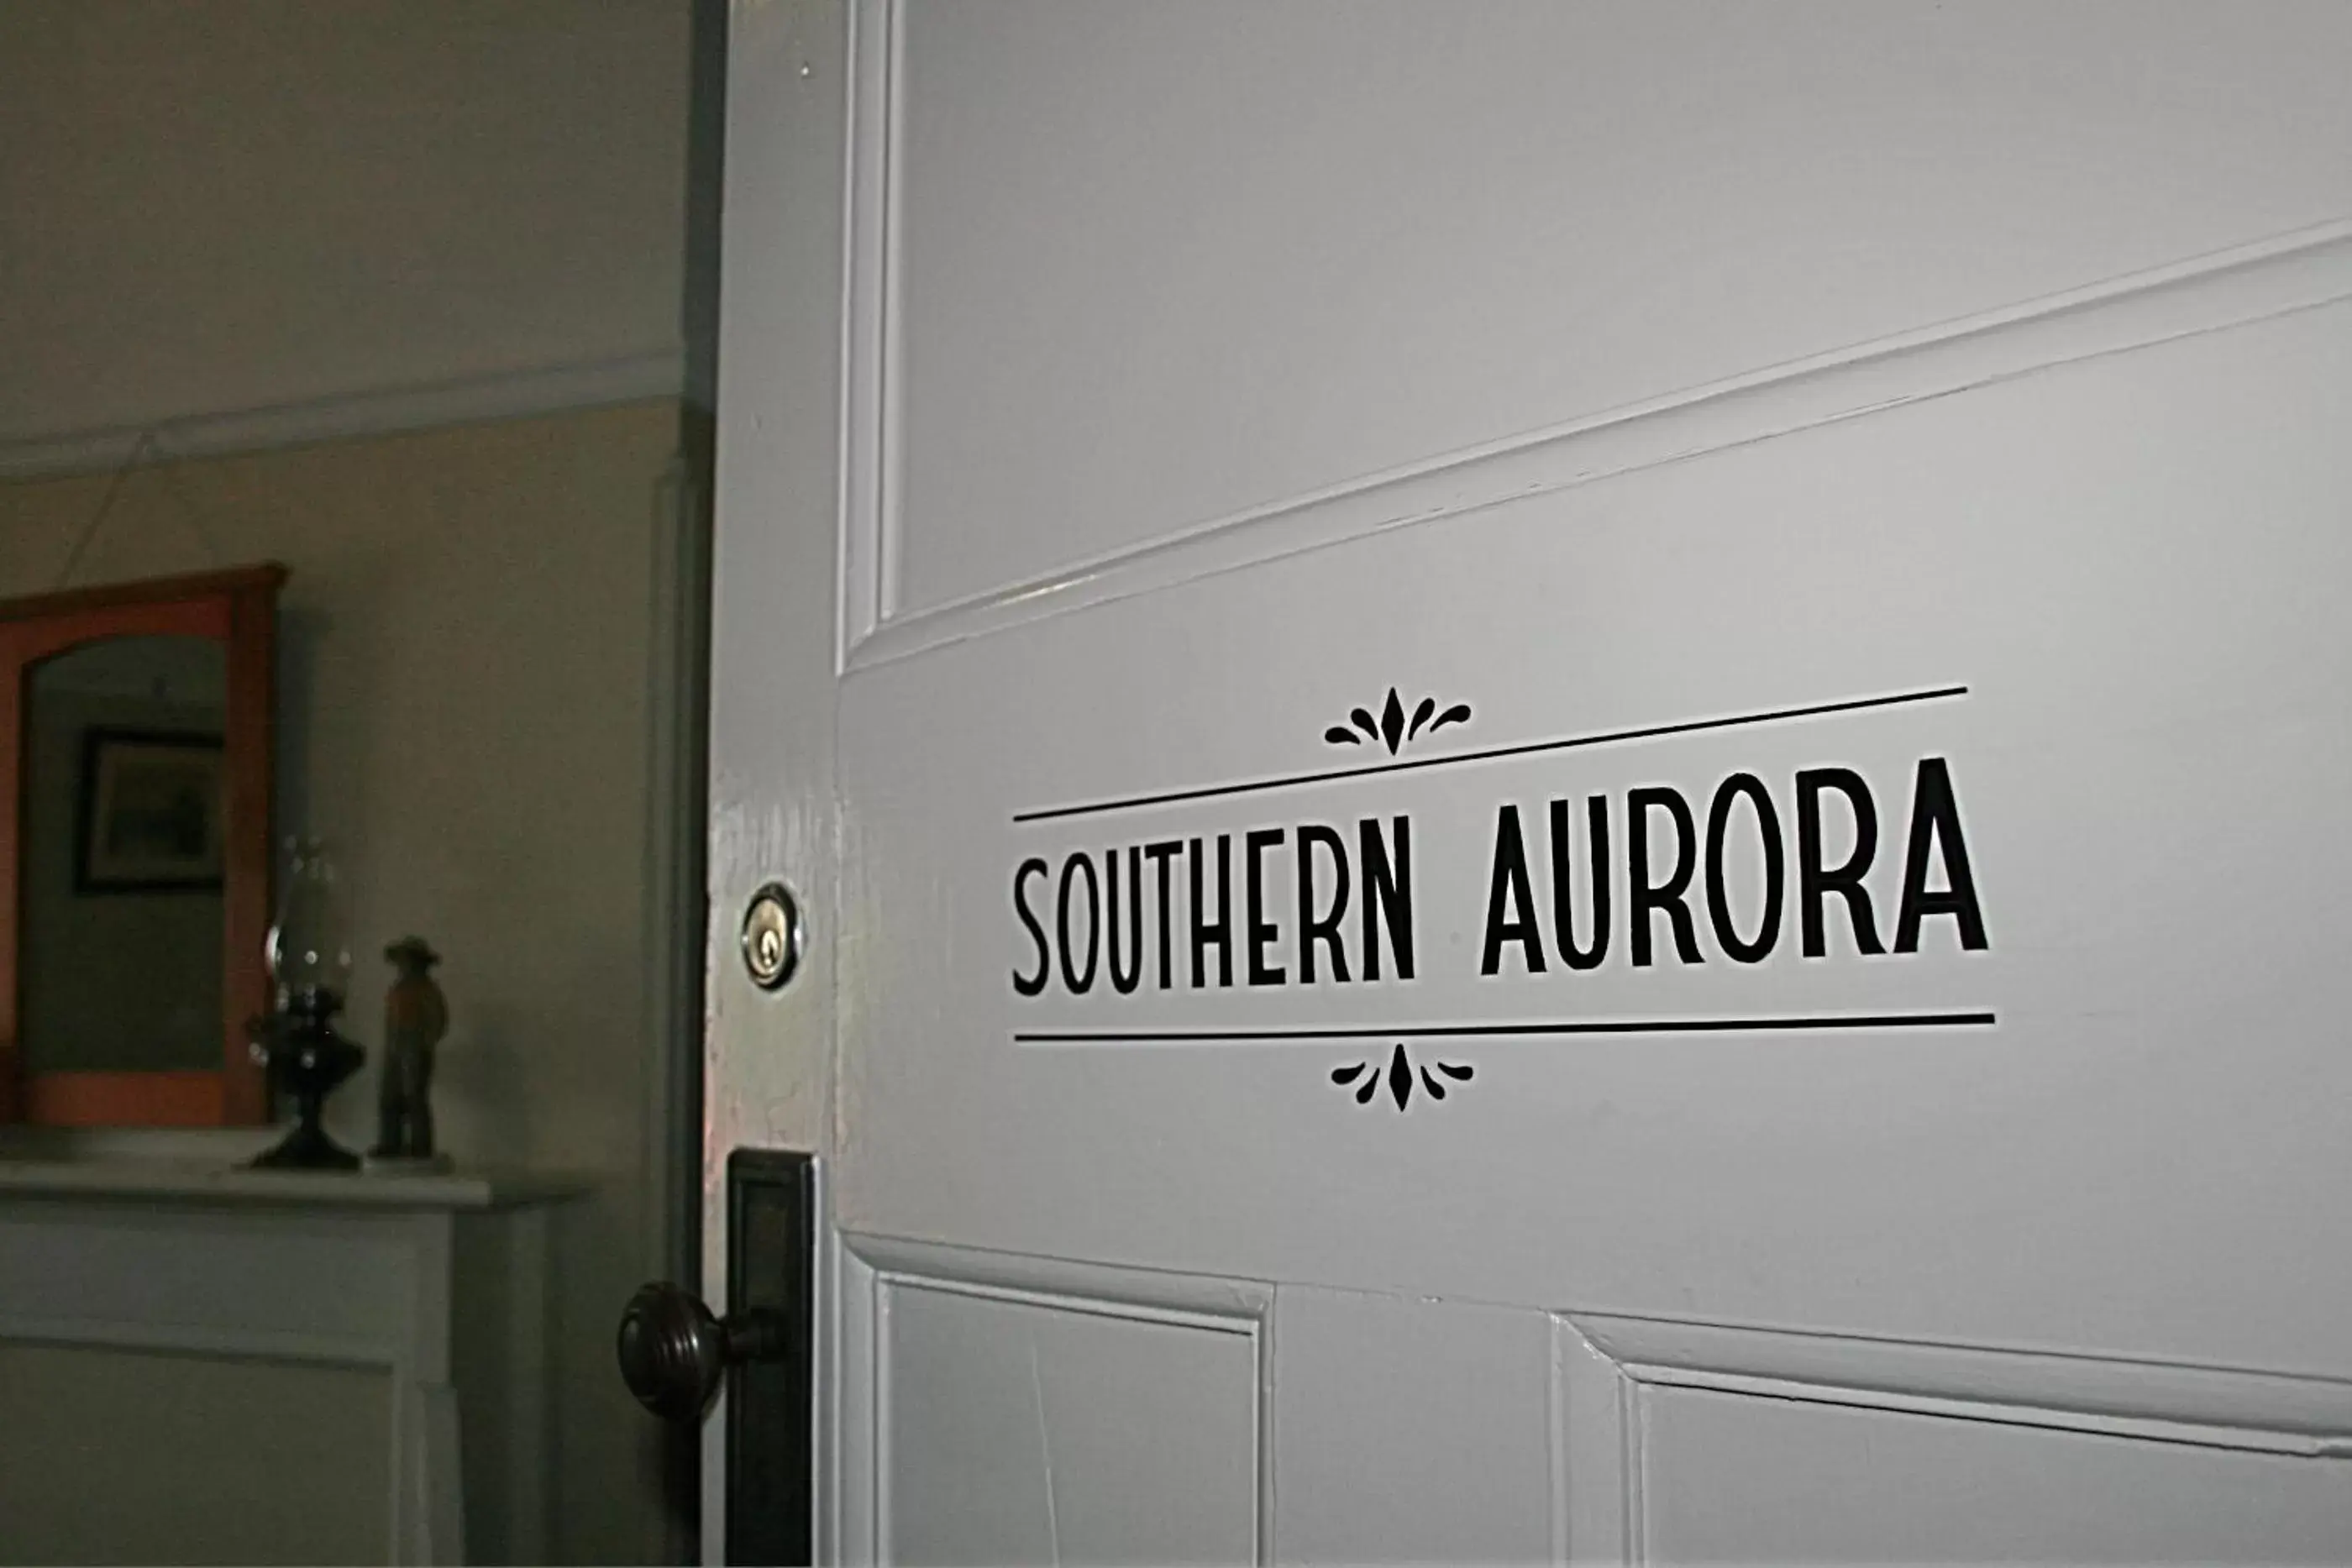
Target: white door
{"points": [[1572, 776]]}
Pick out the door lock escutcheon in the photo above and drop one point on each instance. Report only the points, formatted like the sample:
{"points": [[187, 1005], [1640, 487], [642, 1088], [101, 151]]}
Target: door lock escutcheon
{"points": [[773, 936]]}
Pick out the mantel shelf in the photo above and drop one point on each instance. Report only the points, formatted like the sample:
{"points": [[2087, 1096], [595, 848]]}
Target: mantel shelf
{"points": [[213, 1182]]}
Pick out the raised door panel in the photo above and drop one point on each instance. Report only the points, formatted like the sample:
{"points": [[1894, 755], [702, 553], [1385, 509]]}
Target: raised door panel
{"points": [[1148, 269], [1734, 1479], [1051, 1423]]}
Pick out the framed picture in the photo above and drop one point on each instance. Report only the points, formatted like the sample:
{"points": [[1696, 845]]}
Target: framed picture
{"points": [[150, 812]]}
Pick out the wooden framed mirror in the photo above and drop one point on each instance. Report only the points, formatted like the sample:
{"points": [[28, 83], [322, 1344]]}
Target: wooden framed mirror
{"points": [[136, 745]]}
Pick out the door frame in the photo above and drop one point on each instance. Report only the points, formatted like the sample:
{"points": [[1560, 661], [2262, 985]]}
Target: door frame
{"points": [[782, 472]]}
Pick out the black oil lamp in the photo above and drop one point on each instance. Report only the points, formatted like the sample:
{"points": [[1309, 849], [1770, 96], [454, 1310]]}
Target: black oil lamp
{"points": [[309, 955]]}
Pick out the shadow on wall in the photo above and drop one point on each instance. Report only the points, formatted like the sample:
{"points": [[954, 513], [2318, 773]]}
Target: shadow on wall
{"points": [[302, 631]]}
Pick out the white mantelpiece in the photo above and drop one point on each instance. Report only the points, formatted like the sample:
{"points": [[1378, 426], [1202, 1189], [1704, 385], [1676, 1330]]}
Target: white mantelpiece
{"points": [[420, 1302]]}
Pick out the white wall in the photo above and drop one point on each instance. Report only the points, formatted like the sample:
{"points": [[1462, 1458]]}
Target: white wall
{"points": [[245, 204]]}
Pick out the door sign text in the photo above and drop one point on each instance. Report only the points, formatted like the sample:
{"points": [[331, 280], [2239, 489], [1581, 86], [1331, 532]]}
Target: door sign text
{"points": [[1573, 883]]}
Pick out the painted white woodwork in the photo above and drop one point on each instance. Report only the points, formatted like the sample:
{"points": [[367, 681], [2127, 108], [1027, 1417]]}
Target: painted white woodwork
{"points": [[2123, 687], [1743, 1480], [767, 1056], [437, 1284], [110, 1454], [1409, 1430], [1151, 267], [1116, 397], [996, 1402]]}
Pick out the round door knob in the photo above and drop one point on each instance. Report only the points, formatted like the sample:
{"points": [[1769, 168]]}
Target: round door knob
{"points": [[674, 1351]]}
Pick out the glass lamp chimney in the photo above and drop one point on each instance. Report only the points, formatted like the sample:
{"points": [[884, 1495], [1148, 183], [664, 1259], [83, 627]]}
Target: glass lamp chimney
{"points": [[309, 946]]}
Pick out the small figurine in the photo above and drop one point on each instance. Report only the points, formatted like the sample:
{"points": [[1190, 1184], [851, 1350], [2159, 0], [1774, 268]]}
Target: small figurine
{"points": [[415, 1017]]}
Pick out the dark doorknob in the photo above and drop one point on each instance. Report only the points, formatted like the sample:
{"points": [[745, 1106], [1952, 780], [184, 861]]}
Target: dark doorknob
{"points": [[673, 1352]]}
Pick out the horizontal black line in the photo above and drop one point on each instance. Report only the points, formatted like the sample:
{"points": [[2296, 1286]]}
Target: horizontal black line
{"points": [[1457, 758], [1474, 1031]]}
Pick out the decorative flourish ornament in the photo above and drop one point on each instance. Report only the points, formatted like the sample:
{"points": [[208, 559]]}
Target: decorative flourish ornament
{"points": [[1398, 1078], [1391, 729]]}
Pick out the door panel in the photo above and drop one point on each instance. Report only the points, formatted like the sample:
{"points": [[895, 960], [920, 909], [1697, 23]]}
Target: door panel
{"points": [[1156, 266], [1016, 1429], [1684, 1442], [1303, 506], [1732, 1480], [1018, 1404]]}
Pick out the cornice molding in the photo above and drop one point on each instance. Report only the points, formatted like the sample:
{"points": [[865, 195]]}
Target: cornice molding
{"points": [[377, 411]]}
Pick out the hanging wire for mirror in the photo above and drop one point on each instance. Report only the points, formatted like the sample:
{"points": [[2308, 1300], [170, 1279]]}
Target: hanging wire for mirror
{"points": [[148, 446]]}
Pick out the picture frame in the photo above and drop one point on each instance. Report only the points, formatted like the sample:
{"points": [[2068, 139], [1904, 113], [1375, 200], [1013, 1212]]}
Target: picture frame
{"points": [[150, 812]]}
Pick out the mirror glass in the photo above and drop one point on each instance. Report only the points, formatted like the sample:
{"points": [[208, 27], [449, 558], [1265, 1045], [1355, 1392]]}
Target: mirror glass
{"points": [[120, 944]]}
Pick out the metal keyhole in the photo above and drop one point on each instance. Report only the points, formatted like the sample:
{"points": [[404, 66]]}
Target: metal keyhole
{"points": [[771, 937]]}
